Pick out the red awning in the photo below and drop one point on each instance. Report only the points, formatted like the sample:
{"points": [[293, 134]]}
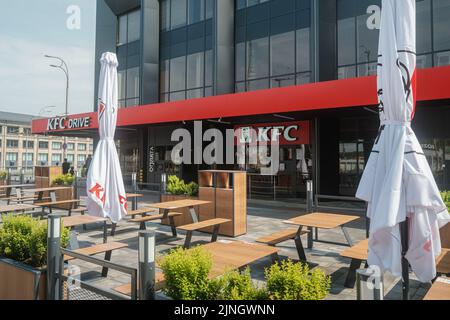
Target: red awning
{"points": [[432, 84]]}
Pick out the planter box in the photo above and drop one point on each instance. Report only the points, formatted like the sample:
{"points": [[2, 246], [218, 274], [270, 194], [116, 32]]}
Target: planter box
{"points": [[186, 217], [19, 281], [62, 195]]}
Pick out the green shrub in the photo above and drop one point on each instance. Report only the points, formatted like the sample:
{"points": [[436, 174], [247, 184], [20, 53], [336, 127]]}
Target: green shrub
{"points": [[64, 180], [446, 197], [24, 239], [3, 175], [186, 273], [237, 286], [294, 281], [177, 186]]}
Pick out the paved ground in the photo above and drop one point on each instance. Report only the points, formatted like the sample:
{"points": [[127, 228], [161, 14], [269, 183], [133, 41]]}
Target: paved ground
{"points": [[263, 218]]}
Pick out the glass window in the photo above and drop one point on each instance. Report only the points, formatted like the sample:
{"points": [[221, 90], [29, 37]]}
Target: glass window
{"points": [[240, 61], [346, 72], [12, 143], [282, 53], [133, 83], [43, 159], [282, 81], [442, 59], [177, 96], [164, 75], [346, 41], [11, 159], [367, 69], [367, 40], [12, 130], [81, 147], [56, 159], [178, 74], [441, 14], [56, 145], [27, 159], [70, 158], [303, 50], [303, 78], [71, 146], [165, 15], [122, 33], [209, 71], [423, 34], [258, 84], [28, 144], [258, 58], [81, 160], [43, 144], [134, 26], [122, 83], [195, 69], [178, 13], [209, 9], [196, 11], [197, 93]]}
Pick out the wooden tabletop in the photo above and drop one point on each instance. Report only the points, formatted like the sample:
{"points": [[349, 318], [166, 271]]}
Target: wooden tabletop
{"points": [[134, 195], [440, 290], [359, 251], [48, 189], [17, 186], [75, 221], [322, 220], [179, 204], [17, 207], [232, 255]]}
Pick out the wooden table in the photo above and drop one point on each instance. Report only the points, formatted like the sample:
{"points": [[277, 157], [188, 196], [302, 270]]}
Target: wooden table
{"points": [[166, 207], [134, 199], [10, 187], [75, 221], [319, 220], [17, 208], [40, 191], [440, 290]]}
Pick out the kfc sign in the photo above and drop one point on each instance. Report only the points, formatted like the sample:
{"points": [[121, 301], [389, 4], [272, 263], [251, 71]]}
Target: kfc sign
{"points": [[287, 133], [63, 123]]}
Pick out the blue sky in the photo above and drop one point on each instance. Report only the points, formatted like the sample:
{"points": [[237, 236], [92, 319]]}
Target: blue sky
{"points": [[30, 29]]}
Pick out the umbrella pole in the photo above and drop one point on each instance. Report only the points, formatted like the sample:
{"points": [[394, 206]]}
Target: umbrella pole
{"points": [[404, 233]]}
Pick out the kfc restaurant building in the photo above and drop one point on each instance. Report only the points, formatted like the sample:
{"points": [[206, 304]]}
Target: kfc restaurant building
{"points": [[326, 131]]}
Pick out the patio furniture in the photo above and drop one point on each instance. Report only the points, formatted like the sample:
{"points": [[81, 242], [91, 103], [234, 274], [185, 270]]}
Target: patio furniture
{"points": [[226, 256], [443, 262], [17, 208], [154, 217], [106, 247], [285, 235], [325, 221], [357, 254], [440, 290], [134, 199], [52, 204], [8, 189], [40, 191], [190, 228], [166, 208]]}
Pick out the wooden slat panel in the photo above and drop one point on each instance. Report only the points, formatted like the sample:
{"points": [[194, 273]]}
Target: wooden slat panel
{"points": [[225, 210]]}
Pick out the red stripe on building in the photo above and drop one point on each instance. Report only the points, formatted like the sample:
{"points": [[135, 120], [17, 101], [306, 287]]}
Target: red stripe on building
{"points": [[432, 84]]}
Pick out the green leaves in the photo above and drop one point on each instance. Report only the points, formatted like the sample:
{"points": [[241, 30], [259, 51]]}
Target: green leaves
{"points": [[3, 175], [294, 281], [64, 180], [186, 273], [24, 239], [446, 198], [177, 186]]}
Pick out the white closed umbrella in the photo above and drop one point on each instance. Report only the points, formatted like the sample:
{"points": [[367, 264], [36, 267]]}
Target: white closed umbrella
{"points": [[105, 188], [404, 202]]}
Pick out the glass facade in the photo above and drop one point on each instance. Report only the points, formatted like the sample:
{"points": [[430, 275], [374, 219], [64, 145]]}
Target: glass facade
{"points": [[273, 44], [358, 24], [186, 53], [128, 54]]}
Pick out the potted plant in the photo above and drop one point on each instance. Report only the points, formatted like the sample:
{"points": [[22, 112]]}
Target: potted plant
{"points": [[23, 255], [64, 180], [187, 277], [3, 177], [178, 189]]}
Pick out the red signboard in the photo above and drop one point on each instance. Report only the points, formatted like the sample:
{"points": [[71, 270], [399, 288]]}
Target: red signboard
{"points": [[286, 133]]}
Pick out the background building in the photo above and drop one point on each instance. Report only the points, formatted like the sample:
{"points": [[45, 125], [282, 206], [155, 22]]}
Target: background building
{"points": [[20, 150], [177, 56]]}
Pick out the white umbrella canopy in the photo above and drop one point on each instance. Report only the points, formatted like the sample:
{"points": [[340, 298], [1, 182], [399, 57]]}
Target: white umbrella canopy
{"points": [[397, 182], [105, 188]]}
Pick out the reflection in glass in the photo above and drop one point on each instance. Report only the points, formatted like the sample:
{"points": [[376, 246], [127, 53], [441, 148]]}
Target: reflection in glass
{"points": [[303, 50], [282, 81], [442, 59], [178, 74], [195, 65], [240, 61], [134, 26], [346, 72], [165, 15], [258, 84], [209, 68], [282, 54], [424, 61], [122, 83], [303, 78], [122, 34], [367, 40], [164, 76], [196, 11], [133, 83], [346, 41], [258, 58], [441, 14], [178, 13], [197, 93], [177, 96], [423, 33]]}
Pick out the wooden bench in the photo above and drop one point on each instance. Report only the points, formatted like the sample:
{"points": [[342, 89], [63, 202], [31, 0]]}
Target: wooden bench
{"points": [[285, 235], [106, 248], [81, 210], [153, 217], [440, 290], [160, 282], [140, 212], [443, 262], [358, 253], [190, 228], [56, 203]]}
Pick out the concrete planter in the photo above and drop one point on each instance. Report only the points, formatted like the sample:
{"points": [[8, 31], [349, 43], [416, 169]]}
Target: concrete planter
{"points": [[19, 281], [186, 217]]}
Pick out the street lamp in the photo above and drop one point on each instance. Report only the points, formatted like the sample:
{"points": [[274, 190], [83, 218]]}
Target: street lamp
{"points": [[65, 69]]}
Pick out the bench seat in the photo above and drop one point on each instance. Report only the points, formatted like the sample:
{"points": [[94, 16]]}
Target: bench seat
{"points": [[125, 289], [55, 203], [141, 212], [80, 210], [98, 248], [358, 253], [154, 217], [203, 224], [440, 290], [280, 236]]}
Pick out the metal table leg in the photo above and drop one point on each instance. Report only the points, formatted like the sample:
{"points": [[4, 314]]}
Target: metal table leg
{"points": [[105, 232], [187, 241], [310, 238], [215, 233], [171, 222], [347, 236], [299, 245], [355, 264], [194, 215]]}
